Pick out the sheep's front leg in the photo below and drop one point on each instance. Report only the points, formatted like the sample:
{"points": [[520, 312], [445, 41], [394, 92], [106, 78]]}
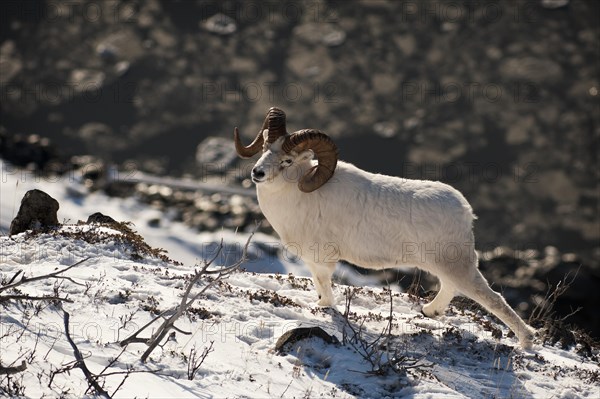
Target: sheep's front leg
{"points": [[321, 274], [440, 302]]}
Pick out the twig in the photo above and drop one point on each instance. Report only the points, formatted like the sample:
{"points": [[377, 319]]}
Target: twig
{"points": [[91, 378], [112, 362], [65, 368], [179, 330], [51, 347], [31, 357], [134, 337], [195, 361], [286, 389], [545, 308], [45, 276], [71, 280], [4, 298], [153, 372], [127, 374]]}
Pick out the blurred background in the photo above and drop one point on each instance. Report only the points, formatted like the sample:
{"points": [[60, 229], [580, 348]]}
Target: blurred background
{"points": [[498, 99]]}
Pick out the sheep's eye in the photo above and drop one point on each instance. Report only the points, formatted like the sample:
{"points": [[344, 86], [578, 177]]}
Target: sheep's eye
{"points": [[286, 162]]}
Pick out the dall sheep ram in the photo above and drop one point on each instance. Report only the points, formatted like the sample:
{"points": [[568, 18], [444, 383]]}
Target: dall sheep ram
{"points": [[332, 211]]}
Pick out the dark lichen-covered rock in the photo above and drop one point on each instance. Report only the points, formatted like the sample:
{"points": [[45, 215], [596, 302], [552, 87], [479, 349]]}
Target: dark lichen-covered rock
{"points": [[100, 218], [294, 335], [38, 210]]}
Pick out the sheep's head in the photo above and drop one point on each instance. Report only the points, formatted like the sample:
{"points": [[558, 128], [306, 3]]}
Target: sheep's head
{"points": [[283, 152]]}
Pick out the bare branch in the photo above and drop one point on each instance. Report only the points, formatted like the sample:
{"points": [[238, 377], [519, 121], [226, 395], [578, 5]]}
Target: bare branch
{"points": [[169, 323], [286, 389], [179, 330], [91, 378], [51, 347], [127, 374], [4, 298], [15, 369], [15, 276], [134, 337], [71, 280], [195, 361], [45, 276], [112, 362]]}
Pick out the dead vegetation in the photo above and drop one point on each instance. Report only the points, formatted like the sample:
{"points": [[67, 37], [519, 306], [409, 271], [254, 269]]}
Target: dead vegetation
{"points": [[555, 329], [170, 316], [382, 351], [123, 236]]}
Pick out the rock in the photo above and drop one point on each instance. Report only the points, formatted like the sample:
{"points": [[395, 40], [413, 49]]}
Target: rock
{"points": [[10, 64], [319, 33], [316, 63], [124, 44], [163, 38], [107, 52], [554, 4], [334, 38], [406, 43], [27, 150], [100, 136], [297, 334], [215, 154], [154, 222], [100, 218], [385, 129], [38, 210], [122, 67], [532, 69], [86, 80], [220, 24]]}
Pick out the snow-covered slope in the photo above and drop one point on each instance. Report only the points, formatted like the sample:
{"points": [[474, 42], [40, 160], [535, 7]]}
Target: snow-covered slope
{"points": [[115, 292], [183, 243]]}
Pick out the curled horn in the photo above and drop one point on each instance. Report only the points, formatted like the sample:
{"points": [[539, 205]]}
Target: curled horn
{"points": [[325, 152], [274, 122], [253, 148]]}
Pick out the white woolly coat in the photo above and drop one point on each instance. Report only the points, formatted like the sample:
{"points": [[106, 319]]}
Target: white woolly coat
{"points": [[371, 220]]}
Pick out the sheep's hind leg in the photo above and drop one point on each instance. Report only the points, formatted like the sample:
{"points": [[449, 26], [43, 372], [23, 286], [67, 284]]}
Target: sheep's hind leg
{"points": [[480, 291], [440, 302], [321, 274]]}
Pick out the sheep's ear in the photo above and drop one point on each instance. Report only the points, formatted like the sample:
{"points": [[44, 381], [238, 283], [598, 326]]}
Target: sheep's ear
{"points": [[305, 156]]}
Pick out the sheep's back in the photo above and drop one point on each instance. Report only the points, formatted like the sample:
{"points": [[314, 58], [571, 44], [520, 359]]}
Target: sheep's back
{"points": [[375, 220]]}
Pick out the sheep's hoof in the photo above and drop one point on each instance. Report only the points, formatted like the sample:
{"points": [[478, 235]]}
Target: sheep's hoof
{"points": [[526, 341], [428, 312], [324, 303], [526, 344]]}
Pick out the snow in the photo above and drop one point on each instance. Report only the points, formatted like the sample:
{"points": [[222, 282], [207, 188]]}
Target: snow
{"points": [[182, 243], [114, 294]]}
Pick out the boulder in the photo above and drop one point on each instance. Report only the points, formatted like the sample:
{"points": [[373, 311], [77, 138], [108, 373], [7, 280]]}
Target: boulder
{"points": [[38, 210], [297, 334], [100, 218]]}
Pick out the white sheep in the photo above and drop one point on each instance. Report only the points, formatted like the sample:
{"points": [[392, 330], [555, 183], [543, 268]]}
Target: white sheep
{"points": [[330, 211]]}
